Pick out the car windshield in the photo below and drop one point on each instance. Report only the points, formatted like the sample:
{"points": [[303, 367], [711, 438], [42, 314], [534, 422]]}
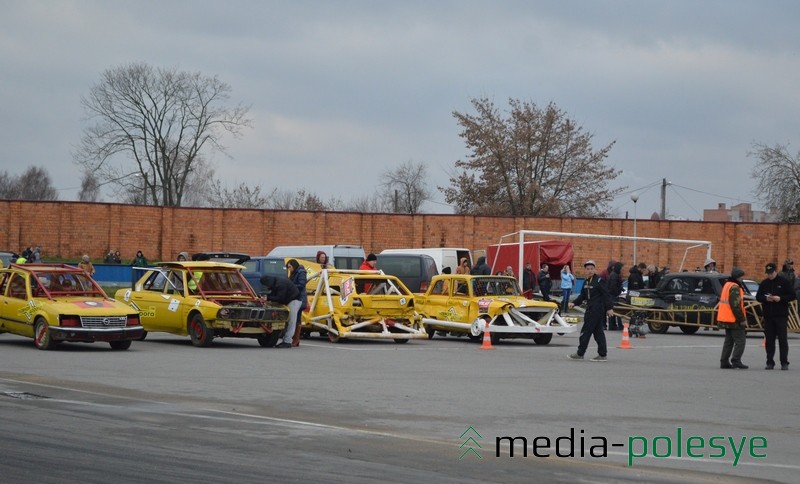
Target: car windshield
{"points": [[65, 283], [495, 286]]}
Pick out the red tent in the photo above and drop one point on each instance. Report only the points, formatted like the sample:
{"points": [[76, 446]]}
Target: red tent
{"points": [[555, 253]]}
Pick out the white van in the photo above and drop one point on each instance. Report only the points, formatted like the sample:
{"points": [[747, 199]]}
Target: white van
{"points": [[341, 256], [443, 256]]}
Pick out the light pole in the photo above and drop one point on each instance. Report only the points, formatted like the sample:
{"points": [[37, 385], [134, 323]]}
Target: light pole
{"points": [[635, 199]]}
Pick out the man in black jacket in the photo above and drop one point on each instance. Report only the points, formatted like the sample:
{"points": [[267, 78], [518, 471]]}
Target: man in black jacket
{"points": [[598, 307], [283, 291], [775, 293]]}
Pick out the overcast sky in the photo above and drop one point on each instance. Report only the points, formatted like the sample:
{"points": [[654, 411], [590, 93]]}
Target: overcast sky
{"points": [[341, 91]]}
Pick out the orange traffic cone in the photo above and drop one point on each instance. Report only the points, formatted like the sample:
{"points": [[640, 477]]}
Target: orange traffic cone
{"points": [[626, 342], [487, 339]]}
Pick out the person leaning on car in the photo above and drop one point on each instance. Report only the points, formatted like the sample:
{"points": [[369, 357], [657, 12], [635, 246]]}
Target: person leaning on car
{"points": [[299, 277], [775, 293], [283, 291], [731, 316]]}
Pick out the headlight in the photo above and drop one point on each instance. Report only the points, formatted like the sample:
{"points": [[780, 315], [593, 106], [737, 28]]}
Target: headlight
{"points": [[223, 313]]}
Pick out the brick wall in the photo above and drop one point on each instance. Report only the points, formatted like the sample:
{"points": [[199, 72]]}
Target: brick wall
{"points": [[70, 229]]}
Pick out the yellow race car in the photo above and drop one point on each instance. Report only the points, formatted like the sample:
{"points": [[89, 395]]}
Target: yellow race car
{"points": [[466, 305], [52, 303], [360, 304], [204, 300]]}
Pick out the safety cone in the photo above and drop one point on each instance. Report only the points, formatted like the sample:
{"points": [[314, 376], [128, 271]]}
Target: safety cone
{"points": [[487, 339], [626, 342]]}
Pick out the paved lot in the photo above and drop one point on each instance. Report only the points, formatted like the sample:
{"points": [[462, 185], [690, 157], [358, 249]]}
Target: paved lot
{"points": [[365, 411]]}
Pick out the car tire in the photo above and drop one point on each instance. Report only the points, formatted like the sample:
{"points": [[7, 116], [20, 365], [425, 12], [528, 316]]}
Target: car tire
{"points": [[120, 345], [543, 338], [689, 329], [269, 340], [658, 328], [41, 335], [430, 330], [201, 334], [142, 337]]}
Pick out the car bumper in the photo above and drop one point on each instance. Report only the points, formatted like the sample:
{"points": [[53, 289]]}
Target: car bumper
{"points": [[96, 334]]}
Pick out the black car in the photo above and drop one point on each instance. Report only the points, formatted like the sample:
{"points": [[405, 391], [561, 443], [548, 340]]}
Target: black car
{"points": [[682, 291]]}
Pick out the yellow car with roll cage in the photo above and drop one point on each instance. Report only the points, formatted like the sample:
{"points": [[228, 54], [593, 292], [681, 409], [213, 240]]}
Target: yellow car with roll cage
{"points": [[204, 300], [52, 303], [466, 304], [360, 304]]}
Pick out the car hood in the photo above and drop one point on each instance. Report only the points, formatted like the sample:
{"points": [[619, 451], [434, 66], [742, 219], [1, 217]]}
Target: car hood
{"points": [[84, 306]]}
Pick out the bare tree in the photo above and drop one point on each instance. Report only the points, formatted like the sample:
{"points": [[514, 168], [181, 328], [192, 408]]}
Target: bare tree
{"points": [[532, 162], [33, 184], [374, 203], [162, 119], [90, 188], [295, 200], [405, 188], [242, 196], [777, 173]]}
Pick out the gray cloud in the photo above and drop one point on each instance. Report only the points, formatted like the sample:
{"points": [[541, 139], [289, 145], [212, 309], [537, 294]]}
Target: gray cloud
{"points": [[341, 91]]}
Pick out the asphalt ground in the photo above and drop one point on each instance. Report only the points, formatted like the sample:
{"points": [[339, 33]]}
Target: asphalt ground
{"points": [[366, 411]]}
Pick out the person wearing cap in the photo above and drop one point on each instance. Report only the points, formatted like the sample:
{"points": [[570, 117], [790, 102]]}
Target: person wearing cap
{"points": [[369, 263], [731, 316], [775, 293], [599, 306], [86, 265]]}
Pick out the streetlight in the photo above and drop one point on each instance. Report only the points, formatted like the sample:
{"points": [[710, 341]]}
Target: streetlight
{"points": [[635, 199]]}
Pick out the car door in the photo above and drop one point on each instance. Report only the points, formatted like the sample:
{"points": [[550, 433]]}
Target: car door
{"points": [[458, 304], [16, 311], [155, 301], [436, 299]]}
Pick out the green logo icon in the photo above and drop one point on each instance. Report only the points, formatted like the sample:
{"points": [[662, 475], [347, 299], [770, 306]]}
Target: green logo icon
{"points": [[470, 443]]}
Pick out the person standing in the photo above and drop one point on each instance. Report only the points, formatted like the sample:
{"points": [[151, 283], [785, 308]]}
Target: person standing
{"points": [[731, 316], [775, 293], [140, 260], [283, 291], [299, 278], [86, 265], [710, 265], [369, 263], [528, 280], [567, 283], [463, 266], [481, 268], [545, 282], [635, 279], [322, 260], [598, 308]]}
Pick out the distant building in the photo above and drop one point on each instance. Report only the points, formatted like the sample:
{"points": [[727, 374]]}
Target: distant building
{"points": [[742, 212]]}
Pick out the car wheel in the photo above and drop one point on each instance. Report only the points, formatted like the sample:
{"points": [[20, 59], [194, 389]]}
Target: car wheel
{"points": [[430, 330], [543, 338], [269, 340], [41, 335], [689, 329], [199, 331], [333, 338], [658, 328], [120, 345], [142, 337], [400, 341]]}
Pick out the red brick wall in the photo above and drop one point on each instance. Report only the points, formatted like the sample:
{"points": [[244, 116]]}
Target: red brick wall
{"points": [[70, 229]]}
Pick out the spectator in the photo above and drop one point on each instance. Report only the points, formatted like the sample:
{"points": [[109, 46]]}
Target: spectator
{"points": [[183, 256], [545, 282], [775, 293], [710, 265], [635, 280], [731, 316], [510, 272], [86, 265], [36, 255], [655, 276], [369, 263], [298, 276], [140, 260], [567, 283], [607, 271], [463, 266], [109, 258], [283, 291], [528, 280], [598, 308], [117, 258], [481, 268], [322, 260]]}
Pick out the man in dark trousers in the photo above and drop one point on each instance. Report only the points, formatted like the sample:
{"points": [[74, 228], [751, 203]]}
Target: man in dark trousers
{"points": [[775, 293], [545, 282], [283, 291], [731, 315], [598, 307]]}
